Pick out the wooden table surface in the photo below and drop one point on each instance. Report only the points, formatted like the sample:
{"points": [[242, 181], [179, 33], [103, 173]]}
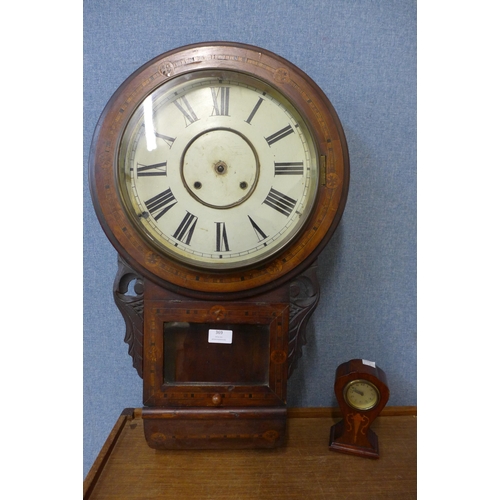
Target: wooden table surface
{"points": [[305, 469]]}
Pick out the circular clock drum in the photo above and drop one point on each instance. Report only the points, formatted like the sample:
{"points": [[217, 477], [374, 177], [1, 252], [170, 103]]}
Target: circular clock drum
{"points": [[219, 168]]}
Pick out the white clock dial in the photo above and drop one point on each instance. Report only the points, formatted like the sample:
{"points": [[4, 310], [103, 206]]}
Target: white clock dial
{"points": [[219, 171], [361, 395]]}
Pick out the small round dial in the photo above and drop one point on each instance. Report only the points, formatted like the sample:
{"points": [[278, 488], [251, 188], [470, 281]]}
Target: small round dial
{"points": [[218, 171], [361, 395]]}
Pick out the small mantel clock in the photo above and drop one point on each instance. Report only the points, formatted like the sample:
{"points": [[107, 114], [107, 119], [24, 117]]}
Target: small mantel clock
{"points": [[218, 171], [362, 392]]}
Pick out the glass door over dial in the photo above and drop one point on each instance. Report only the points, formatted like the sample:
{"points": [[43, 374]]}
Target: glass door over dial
{"points": [[218, 171]]}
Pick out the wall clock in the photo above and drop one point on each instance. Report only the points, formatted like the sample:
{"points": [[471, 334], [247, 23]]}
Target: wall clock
{"points": [[218, 171], [362, 392]]}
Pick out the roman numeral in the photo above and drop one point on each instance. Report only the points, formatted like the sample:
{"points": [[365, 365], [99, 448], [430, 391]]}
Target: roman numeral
{"points": [[220, 97], [184, 232], [289, 168], [277, 136], [154, 169], [280, 202], [166, 138], [186, 109], [258, 231], [254, 110], [221, 243], [160, 204]]}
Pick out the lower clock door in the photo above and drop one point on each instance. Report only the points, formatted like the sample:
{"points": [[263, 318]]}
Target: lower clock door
{"points": [[215, 379]]}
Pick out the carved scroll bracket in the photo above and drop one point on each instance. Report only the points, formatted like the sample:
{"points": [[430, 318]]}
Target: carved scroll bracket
{"points": [[128, 291], [304, 297]]}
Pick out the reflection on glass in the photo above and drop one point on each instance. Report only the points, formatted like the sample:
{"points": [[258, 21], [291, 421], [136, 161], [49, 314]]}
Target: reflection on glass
{"points": [[190, 358]]}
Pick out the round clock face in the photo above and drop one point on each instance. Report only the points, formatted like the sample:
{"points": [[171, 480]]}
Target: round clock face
{"points": [[218, 170], [361, 395]]}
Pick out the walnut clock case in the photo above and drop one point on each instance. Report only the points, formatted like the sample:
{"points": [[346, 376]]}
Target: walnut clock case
{"points": [[218, 171], [362, 392]]}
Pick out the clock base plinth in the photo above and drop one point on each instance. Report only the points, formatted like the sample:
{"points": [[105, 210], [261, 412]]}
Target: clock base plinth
{"points": [[361, 445], [214, 428]]}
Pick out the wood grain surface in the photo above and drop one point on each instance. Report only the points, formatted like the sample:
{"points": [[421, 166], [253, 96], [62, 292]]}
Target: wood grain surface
{"points": [[303, 469]]}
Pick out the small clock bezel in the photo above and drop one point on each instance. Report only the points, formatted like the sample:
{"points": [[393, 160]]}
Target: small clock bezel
{"points": [[357, 381]]}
